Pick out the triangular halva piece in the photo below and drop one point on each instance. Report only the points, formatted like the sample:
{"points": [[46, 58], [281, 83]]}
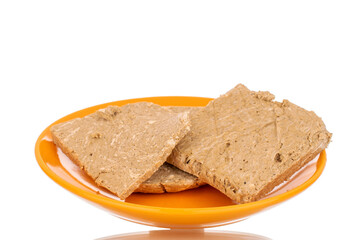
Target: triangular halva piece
{"points": [[244, 143], [121, 147], [169, 179]]}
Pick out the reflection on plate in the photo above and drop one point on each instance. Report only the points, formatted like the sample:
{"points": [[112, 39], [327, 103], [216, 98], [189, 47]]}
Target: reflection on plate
{"points": [[201, 207], [186, 234]]}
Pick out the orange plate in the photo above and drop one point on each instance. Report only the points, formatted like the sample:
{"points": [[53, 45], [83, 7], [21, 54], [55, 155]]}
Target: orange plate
{"points": [[197, 208]]}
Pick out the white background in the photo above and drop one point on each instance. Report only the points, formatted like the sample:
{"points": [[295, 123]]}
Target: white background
{"points": [[57, 57]]}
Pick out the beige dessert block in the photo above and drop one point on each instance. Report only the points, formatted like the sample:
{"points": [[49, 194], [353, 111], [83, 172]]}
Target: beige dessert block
{"points": [[169, 178], [121, 147], [244, 143]]}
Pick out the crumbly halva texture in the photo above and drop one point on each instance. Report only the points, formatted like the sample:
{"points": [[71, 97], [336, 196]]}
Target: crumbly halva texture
{"points": [[169, 178], [121, 147], [244, 143]]}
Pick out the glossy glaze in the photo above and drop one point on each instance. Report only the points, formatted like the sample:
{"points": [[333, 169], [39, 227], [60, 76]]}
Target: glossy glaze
{"points": [[203, 207]]}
